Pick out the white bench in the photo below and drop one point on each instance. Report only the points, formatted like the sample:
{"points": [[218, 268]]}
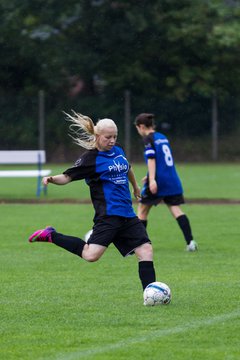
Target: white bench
{"points": [[37, 157]]}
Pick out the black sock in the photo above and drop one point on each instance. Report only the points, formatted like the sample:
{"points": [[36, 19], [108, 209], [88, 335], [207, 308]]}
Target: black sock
{"points": [[70, 243], [146, 272], [144, 222], [184, 224]]}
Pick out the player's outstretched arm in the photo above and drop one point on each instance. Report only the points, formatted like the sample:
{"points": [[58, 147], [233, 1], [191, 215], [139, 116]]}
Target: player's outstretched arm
{"points": [[60, 179]]}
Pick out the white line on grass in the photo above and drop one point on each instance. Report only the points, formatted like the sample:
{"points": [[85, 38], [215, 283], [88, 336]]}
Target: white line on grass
{"points": [[157, 334]]}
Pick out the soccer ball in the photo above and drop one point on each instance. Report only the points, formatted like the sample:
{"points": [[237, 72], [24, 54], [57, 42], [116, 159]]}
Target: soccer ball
{"points": [[87, 235], [157, 293]]}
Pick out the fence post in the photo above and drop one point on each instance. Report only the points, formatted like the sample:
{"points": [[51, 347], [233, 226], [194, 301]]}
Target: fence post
{"points": [[41, 120], [214, 127]]}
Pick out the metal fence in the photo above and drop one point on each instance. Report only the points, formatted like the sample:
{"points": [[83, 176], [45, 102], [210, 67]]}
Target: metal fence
{"points": [[199, 129]]}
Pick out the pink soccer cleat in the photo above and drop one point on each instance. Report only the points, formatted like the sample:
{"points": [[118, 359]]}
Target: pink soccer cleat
{"points": [[42, 235]]}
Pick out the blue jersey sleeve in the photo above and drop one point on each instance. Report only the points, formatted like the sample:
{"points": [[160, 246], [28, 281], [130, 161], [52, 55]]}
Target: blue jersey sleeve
{"points": [[149, 149]]}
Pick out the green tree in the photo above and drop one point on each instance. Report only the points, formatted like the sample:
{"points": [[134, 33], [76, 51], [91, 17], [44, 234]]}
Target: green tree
{"points": [[159, 49]]}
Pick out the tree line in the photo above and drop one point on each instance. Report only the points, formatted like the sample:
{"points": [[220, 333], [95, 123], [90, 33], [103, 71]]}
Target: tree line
{"points": [[174, 57]]}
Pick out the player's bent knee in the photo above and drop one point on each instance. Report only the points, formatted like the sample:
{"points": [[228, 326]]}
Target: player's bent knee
{"points": [[91, 258], [144, 252], [92, 252]]}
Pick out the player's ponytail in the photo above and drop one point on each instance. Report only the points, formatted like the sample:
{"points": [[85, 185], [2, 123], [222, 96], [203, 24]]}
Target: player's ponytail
{"points": [[82, 130]]}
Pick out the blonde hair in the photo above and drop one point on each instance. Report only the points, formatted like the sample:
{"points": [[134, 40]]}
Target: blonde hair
{"points": [[83, 129], [103, 124]]}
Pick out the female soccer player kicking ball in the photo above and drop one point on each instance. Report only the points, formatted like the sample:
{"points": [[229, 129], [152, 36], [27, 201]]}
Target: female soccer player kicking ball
{"points": [[107, 173]]}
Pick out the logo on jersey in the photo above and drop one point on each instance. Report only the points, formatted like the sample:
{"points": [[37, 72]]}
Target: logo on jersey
{"points": [[119, 165], [118, 169], [78, 162], [161, 141]]}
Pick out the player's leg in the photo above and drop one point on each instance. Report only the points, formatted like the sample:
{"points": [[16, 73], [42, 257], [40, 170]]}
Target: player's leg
{"points": [[176, 211], [142, 213], [147, 201], [132, 238], [92, 252], [184, 225], [146, 269], [182, 221], [89, 252], [75, 245]]}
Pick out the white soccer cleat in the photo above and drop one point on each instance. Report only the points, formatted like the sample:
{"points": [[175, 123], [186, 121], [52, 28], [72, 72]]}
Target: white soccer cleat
{"points": [[192, 246]]}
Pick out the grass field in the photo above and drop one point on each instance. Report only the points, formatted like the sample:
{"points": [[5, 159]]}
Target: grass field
{"points": [[56, 306], [200, 181]]}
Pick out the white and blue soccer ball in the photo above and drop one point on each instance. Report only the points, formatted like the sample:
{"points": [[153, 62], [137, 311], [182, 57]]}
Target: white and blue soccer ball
{"points": [[87, 235], [157, 293]]}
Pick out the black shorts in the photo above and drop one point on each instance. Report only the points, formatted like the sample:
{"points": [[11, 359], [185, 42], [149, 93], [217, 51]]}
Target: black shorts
{"points": [[171, 200], [125, 233]]}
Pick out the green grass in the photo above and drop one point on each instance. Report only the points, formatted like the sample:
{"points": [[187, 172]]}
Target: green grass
{"points": [[217, 181], [56, 306]]}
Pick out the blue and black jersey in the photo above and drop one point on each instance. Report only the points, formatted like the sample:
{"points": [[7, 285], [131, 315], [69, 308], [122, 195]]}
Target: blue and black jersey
{"points": [[156, 146], [106, 174]]}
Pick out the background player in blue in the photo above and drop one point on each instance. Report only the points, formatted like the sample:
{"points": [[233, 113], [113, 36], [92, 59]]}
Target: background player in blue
{"points": [[107, 173], [162, 182]]}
